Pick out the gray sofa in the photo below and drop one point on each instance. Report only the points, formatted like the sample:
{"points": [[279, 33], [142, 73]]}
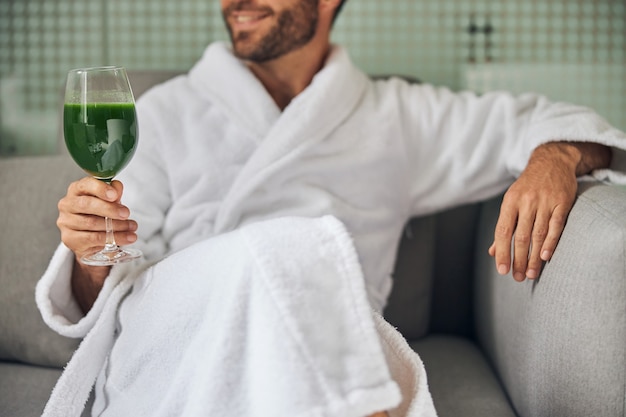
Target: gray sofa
{"points": [[491, 346]]}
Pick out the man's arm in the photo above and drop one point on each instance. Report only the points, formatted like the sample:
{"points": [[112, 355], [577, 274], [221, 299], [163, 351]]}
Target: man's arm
{"points": [[535, 208]]}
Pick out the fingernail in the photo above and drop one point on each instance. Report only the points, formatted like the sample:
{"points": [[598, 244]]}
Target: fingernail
{"points": [[132, 226], [123, 212], [502, 269], [545, 255], [111, 194], [518, 276], [131, 237], [531, 273]]}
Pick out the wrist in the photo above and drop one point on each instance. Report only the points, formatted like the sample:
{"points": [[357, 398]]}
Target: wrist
{"points": [[87, 281], [579, 157]]}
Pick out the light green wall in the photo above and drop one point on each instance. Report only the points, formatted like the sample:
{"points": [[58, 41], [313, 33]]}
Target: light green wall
{"points": [[569, 49]]}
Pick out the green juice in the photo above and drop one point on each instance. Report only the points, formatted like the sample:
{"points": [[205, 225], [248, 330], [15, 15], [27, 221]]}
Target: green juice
{"points": [[101, 137]]}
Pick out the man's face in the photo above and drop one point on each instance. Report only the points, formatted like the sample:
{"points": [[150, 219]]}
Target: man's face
{"points": [[262, 30]]}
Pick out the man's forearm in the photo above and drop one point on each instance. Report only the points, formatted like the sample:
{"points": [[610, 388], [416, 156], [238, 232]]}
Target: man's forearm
{"points": [[585, 156], [86, 284]]}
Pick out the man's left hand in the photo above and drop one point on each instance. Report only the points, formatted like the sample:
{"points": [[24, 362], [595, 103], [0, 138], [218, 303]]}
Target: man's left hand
{"points": [[535, 208]]}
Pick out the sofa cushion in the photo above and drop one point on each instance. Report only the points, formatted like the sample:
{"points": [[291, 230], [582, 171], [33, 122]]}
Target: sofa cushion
{"points": [[28, 215], [558, 342], [460, 379], [24, 389]]}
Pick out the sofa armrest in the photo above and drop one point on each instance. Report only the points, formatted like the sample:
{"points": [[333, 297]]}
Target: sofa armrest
{"points": [[29, 192], [558, 344]]}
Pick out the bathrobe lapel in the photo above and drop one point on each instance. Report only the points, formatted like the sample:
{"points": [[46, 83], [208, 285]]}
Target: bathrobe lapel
{"points": [[283, 137]]}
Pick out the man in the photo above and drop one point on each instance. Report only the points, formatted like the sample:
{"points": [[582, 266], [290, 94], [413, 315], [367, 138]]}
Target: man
{"points": [[285, 125]]}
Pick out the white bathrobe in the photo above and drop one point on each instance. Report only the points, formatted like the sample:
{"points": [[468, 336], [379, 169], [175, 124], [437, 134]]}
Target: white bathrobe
{"points": [[216, 153]]}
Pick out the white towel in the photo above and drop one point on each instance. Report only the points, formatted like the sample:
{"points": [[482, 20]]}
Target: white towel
{"points": [[268, 320]]}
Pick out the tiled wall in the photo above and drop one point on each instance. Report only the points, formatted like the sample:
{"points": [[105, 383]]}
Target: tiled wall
{"points": [[569, 49]]}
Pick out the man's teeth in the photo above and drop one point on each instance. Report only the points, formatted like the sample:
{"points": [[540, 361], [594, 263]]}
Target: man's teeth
{"points": [[244, 19]]}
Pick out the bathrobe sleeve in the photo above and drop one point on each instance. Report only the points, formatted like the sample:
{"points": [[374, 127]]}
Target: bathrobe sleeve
{"points": [[146, 192], [464, 147]]}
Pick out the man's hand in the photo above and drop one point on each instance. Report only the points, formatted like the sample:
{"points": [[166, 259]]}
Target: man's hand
{"points": [[81, 222], [535, 208], [82, 212]]}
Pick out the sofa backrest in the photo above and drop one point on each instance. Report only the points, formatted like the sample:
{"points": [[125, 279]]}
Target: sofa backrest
{"points": [[29, 190], [433, 277]]}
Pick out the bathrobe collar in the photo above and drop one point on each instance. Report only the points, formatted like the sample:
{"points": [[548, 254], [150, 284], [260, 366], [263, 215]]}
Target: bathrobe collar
{"points": [[228, 83], [310, 119]]}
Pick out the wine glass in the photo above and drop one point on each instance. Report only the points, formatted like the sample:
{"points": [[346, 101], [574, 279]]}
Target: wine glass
{"points": [[100, 129]]}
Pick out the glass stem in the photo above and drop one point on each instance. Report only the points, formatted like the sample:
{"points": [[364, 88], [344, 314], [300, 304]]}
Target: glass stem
{"points": [[110, 245]]}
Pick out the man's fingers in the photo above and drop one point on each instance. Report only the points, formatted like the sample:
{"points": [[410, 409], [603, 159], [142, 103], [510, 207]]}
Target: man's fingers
{"points": [[501, 247], [119, 189], [533, 237], [539, 202], [89, 186], [521, 244], [82, 242], [539, 235], [82, 211], [89, 205], [90, 223], [556, 226]]}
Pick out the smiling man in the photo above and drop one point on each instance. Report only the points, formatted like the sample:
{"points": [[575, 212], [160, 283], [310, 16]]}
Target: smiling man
{"points": [[279, 123]]}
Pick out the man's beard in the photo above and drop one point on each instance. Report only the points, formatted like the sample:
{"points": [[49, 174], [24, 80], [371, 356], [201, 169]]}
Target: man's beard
{"points": [[295, 28]]}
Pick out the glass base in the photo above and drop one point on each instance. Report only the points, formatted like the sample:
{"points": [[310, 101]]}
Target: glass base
{"points": [[111, 257]]}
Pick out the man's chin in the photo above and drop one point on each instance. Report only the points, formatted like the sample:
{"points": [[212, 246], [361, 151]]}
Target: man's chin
{"points": [[251, 53]]}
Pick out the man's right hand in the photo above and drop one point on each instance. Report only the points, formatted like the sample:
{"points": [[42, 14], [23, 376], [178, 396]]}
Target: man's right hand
{"points": [[81, 222]]}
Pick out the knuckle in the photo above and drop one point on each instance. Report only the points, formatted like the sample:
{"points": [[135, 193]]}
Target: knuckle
{"points": [[84, 186], [558, 218], [93, 239], [77, 187], [503, 231], [529, 198], [522, 238], [60, 224], [540, 234], [72, 188], [512, 191], [63, 222], [64, 204], [82, 204], [516, 195], [91, 223]]}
